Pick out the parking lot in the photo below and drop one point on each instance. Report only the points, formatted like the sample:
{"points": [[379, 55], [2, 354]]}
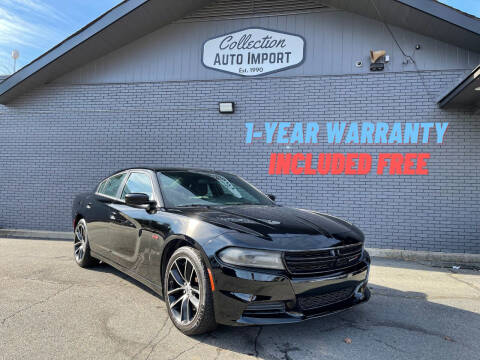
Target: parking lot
{"points": [[51, 308]]}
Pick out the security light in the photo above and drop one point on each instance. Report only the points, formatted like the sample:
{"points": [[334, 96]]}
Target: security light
{"points": [[226, 107], [375, 63], [376, 54]]}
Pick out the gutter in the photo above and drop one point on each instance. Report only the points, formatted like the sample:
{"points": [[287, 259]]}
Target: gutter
{"points": [[457, 89]]}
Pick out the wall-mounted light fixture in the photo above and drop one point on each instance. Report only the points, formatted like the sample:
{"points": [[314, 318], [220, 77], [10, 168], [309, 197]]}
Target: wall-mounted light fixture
{"points": [[226, 107], [375, 60]]}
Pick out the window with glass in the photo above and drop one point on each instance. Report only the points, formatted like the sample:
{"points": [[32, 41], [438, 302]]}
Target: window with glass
{"points": [[190, 188], [101, 186], [138, 183], [111, 185]]}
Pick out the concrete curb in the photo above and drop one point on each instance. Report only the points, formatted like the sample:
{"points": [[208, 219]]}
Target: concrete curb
{"points": [[36, 234], [431, 258]]}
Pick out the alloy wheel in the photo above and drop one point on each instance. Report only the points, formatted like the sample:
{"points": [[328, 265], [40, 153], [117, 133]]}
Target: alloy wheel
{"points": [[80, 242], [183, 290]]}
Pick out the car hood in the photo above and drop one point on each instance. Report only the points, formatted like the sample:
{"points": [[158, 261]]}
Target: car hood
{"points": [[279, 224]]}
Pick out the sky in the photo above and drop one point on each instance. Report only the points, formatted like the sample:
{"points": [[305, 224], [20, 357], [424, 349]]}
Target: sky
{"points": [[34, 26]]}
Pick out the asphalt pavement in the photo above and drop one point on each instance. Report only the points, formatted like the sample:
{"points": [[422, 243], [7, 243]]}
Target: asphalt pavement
{"points": [[51, 308]]}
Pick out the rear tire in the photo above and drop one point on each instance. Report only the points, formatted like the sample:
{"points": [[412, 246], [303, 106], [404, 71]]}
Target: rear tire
{"points": [[187, 292], [81, 247]]}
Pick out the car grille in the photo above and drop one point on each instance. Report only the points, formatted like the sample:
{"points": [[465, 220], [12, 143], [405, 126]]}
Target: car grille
{"points": [[314, 302], [308, 262]]}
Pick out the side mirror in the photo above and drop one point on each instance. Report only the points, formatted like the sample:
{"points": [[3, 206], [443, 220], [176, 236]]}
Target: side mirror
{"points": [[271, 197], [137, 199]]}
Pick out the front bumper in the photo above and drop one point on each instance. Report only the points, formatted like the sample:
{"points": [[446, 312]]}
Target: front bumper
{"points": [[245, 297]]}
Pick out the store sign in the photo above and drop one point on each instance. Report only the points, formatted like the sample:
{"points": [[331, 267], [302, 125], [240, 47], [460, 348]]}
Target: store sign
{"points": [[253, 52]]}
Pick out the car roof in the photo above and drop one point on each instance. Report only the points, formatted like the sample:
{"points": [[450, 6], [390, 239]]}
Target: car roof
{"points": [[159, 168]]}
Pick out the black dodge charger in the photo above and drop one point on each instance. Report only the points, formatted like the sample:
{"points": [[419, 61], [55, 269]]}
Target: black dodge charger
{"points": [[218, 250]]}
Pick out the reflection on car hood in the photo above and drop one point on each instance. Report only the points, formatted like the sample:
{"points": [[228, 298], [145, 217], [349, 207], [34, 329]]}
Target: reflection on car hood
{"points": [[275, 222]]}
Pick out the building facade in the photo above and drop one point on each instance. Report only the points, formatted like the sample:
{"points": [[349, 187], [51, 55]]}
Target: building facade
{"points": [[153, 102]]}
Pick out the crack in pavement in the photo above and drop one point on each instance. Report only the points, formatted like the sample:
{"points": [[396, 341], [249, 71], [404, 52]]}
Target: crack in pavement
{"points": [[91, 284], [109, 332], [183, 352], [395, 325], [159, 341], [45, 281], [34, 304], [452, 275], [180, 353], [286, 349], [367, 325], [152, 339], [219, 351], [255, 350], [391, 346]]}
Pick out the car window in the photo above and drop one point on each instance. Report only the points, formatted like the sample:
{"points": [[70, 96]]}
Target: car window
{"points": [[110, 188], [185, 188], [138, 183], [101, 186]]}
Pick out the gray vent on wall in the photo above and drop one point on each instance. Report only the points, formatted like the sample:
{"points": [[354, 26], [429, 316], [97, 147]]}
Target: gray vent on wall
{"points": [[242, 8]]}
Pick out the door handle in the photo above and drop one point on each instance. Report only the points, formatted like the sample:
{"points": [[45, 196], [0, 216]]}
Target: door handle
{"points": [[89, 205], [112, 217]]}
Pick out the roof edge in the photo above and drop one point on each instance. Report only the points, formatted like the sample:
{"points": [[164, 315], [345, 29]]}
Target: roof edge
{"points": [[459, 86], [80, 36], [446, 13], [46, 67]]}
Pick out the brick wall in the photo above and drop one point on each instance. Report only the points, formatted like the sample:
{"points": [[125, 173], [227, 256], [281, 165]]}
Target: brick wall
{"points": [[59, 140]]}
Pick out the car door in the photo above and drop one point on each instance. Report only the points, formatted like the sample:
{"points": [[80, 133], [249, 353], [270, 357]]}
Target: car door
{"points": [[130, 235], [99, 210]]}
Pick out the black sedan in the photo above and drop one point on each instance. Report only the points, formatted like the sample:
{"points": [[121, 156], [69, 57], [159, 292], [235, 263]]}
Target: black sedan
{"points": [[218, 250]]}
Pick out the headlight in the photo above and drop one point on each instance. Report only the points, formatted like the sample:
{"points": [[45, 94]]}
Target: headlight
{"points": [[252, 258]]}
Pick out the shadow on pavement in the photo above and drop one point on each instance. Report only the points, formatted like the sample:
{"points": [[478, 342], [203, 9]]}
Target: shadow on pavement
{"points": [[393, 324], [105, 268]]}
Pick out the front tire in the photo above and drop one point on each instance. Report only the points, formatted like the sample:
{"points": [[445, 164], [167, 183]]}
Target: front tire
{"points": [[187, 292], [81, 247]]}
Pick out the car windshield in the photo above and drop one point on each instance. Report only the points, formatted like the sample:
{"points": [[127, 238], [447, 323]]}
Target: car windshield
{"points": [[197, 188]]}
